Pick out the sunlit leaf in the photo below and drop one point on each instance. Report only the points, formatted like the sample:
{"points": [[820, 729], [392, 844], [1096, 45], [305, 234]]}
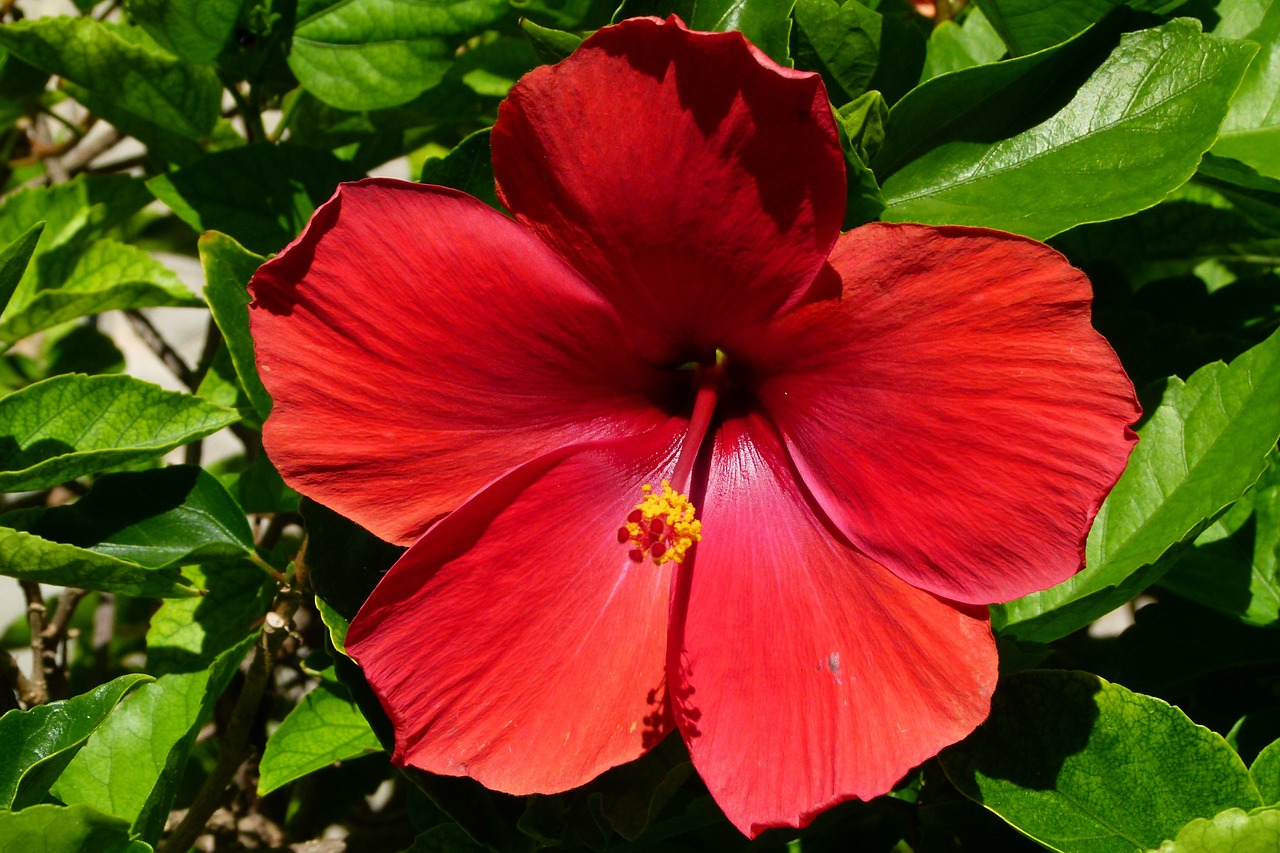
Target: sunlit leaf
{"points": [[59, 829]]}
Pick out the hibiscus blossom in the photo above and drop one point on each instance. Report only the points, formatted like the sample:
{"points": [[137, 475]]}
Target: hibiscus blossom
{"points": [[672, 453]]}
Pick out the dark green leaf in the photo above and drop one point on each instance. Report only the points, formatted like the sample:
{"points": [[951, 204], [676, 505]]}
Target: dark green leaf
{"points": [[131, 766], [81, 349], [1134, 131], [56, 829], [262, 195], [227, 269], [766, 23], [35, 745], [372, 54], [188, 634], [1232, 831], [1031, 25], [108, 276], [845, 42], [468, 167], [82, 207], [861, 126], [69, 426], [1265, 771], [28, 557], [550, 45], [196, 30], [1083, 765], [326, 726], [1251, 132], [127, 80], [156, 519], [1200, 449], [344, 560], [445, 838], [13, 262]]}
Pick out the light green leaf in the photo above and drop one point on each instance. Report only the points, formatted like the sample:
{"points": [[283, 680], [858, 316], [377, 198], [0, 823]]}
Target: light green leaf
{"points": [[13, 262], [57, 829], [1202, 447], [132, 765], [69, 426], [108, 276], [196, 30], [845, 42], [372, 54], [326, 726], [953, 47], [1265, 771], [262, 195], [189, 633], [1031, 25], [29, 557], [156, 519], [1251, 132], [36, 745], [81, 207], [1086, 766], [127, 80], [1232, 831], [549, 44], [227, 269], [1134, 131], [1235, 564]]}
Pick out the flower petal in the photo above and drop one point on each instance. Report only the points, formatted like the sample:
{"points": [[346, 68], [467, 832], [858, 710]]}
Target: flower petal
{"points": [[954, 412], [418, 345], [515, 642], [686, 175], [808, 674]]}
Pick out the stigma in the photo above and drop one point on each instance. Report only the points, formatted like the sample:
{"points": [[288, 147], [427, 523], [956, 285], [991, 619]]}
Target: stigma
{"points": [[662, 527]]}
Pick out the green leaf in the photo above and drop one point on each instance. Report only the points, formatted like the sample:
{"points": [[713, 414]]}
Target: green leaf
{"points": [[188, 634], [1232, 831], [1083, 765], [1251, 131], [445, 838], [156, 519], [36, 745], [468, 167], [196, 30], [132, 765], [13, 262], [1201, 448], [69, 426], [766, 23], [345, 561], [326, 726], [108, 276], [1134, 131], [126, 80], [844, 40], [953, 47], [261, 195], [227, 269], [1235, 564], [861, 126], [372, 54], [1265, 771], [550, 45], [28, 557], [82, 207], [58, 829], [1031, 25]]}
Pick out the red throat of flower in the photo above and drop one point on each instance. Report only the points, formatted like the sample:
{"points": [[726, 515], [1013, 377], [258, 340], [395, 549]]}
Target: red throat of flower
{"points": [[664, 524]]}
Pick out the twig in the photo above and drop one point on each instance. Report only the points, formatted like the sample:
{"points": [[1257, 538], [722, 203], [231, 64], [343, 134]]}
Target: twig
{"points": [[36, 612], [13, 678], [79, 158], [53, 640], [235, 744], [158, 345]]}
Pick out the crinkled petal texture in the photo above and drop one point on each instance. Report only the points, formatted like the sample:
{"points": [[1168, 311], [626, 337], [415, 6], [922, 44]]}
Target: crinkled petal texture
{"points": [[804, 673], [692, 180], [515, 642], [953, 411], [462, 346]]}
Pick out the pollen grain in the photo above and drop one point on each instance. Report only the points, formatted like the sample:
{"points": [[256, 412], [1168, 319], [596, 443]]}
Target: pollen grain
{"points": [[663, 526]]}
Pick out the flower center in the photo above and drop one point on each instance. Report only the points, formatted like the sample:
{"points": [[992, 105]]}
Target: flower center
{"points": [[662, 526]]}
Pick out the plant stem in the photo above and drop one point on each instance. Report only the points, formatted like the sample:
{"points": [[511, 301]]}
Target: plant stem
{"points": [[151, 336], [36, 612]]}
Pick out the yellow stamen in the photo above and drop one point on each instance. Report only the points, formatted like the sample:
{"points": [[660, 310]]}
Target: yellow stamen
{"points": [[663, 526]]}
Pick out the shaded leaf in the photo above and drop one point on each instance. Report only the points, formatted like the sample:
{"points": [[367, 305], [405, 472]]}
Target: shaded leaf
{"points": [[57, 829], [188, 634], [1201, 448], [35, 745], [28, 557], [84, 206], [227, 268], [196, 30], [844, 40], [766, 23], [13, 262], [1083, 765], [69, 426], [1134, 131], [1030, 25], [468, 167], [549, 44]]}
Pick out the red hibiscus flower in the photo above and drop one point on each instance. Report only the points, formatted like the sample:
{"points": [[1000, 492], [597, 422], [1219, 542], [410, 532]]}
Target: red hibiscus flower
{"points": [[866, 437]]}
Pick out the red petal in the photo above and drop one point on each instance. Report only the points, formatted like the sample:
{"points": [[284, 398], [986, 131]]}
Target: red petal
{"points": [[418, 345], [954, 413], [516, 642], [810, 674], [687, 176]]}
